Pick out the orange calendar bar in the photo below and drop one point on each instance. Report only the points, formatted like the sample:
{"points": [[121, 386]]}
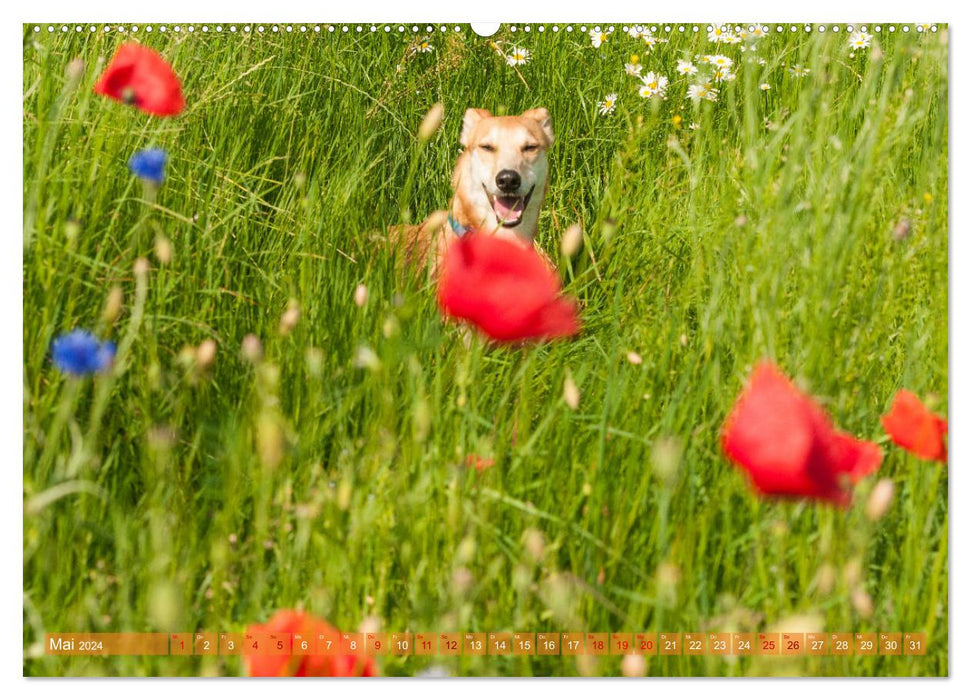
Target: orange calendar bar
{"points": [[816, 644], [303, 644], [694, 644], [548, 644], [524, 643], [915, 643], [743, 643], [793, 643], [768, 644], [328, 643], [571, 644], [669, 643], [891, 643], [645, 643], [865, 643], [475, 643], [500, 643], [840, 643], [450, 644], [106, 644], [401, 644], [376, 643], [180, 644], [719, 643], [597, 643], [425, 644], [622, 643]]}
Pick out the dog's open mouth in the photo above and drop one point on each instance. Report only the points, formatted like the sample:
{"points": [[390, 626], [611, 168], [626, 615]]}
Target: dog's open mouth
{"points": [[509, 209]]}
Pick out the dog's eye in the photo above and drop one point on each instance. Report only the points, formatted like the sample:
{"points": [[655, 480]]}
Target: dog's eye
{"points": [[488, 147], [530, 147]]}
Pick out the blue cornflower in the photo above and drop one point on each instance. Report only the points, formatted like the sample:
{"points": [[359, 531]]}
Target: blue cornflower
{"points": [[149, 164], [80, 352]]}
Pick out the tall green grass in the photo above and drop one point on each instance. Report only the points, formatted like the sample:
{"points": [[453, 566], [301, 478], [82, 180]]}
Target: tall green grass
{"points": [[163, 497]]}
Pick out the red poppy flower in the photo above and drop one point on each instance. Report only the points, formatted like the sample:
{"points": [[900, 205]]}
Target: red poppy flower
{"points": [[787, 444], [479, 463], [505, 289], [297, 622], [913, 427], [138, 76]]}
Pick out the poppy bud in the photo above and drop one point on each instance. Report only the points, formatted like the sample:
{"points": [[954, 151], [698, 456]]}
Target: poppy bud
{"points": [[880, 500], [360, 295], [252, 349], [571, 394], [288, 321], [206, 353]]}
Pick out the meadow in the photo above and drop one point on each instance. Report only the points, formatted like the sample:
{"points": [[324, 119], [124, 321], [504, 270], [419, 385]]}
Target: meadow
{"points": [[801, 216]]}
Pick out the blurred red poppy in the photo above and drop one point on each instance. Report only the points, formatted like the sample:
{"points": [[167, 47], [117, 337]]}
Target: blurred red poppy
{"points": [[505, 289], [139, 76], [479, 463], [916, 429], [298, 622], [787, 444]]}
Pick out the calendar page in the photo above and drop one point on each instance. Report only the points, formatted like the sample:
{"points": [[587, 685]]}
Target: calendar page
{"points": [[444, 349]]}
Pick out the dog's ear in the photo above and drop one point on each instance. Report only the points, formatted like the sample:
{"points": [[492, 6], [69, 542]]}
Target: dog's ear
{"points": [[542, 117], [469, 121]]}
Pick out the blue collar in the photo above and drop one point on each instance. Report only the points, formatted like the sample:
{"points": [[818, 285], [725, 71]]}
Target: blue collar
{"points": [[459, 229]]}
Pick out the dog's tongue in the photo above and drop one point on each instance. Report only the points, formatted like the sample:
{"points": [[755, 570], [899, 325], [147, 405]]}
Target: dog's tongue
{"points": [[508, 208]]}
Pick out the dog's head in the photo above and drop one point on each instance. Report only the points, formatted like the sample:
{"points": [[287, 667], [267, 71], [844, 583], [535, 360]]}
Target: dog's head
{"points": [[507, 163]]}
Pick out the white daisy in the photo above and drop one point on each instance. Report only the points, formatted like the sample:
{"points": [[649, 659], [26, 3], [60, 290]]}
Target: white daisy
{"points": [[730, 38], [655, 85], [757, 32], [517, 56], [424, 47], [718, 61], [608, 104], [598, 38], [694, 126], [798, 71], [650, 40], [686, 67], [633, 69], [723, 75], [636, 32], [702, 92], [717, 34], [860, 40], [765, 87]]}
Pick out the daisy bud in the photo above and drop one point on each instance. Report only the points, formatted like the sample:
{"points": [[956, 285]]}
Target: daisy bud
{"points": [[571, 394], [72, 229], [571, 241], [288, 321], [163, 250], [300, 179], [633, 666], [431, 122], [634, 358], [206, 353], [252, 349], [141, 267], [112, 305], [881, 497], [371, 623], [360, 295]]}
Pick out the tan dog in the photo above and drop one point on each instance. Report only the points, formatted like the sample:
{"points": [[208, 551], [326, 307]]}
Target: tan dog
{"points": [[499, 185]]}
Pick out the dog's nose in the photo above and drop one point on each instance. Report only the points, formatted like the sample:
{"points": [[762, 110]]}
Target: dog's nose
{"points": [[508, 180]]}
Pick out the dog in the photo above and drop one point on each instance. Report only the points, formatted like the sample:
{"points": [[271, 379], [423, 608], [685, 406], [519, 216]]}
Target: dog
{"points": [[499, 185]]}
